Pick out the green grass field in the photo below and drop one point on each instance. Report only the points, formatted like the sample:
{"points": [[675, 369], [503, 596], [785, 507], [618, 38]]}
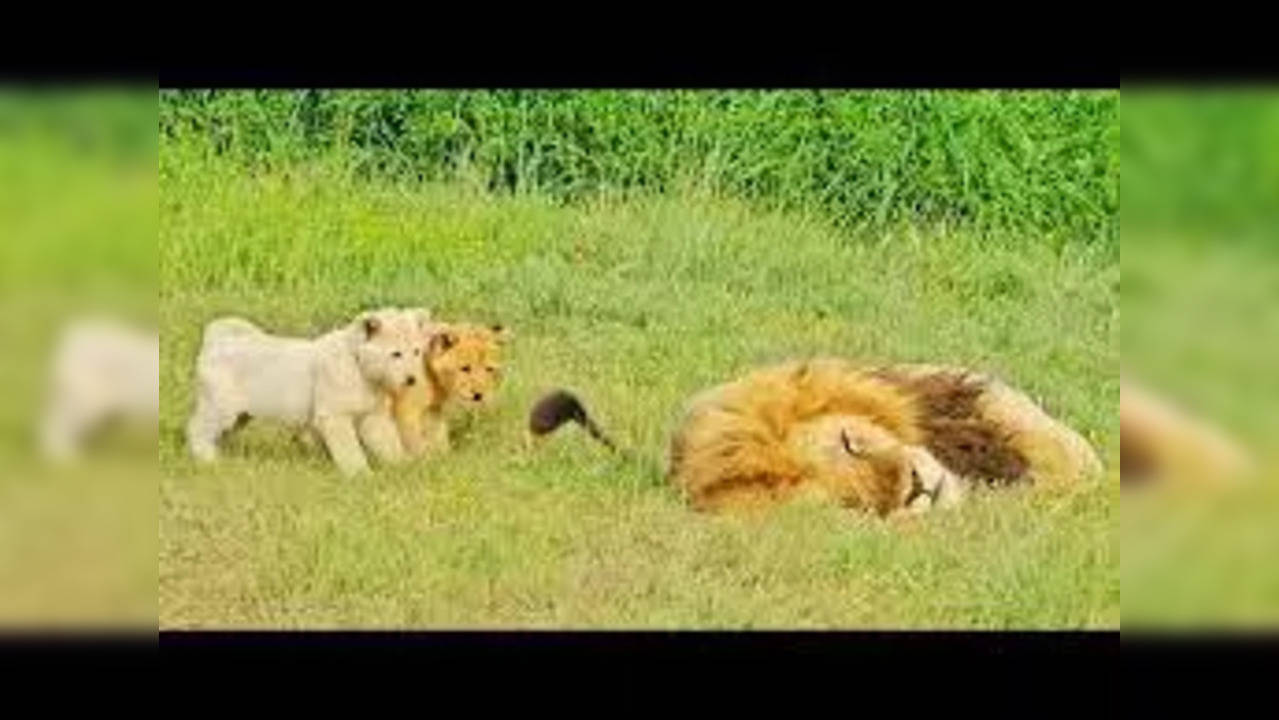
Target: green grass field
{"points": [[635, 300]]}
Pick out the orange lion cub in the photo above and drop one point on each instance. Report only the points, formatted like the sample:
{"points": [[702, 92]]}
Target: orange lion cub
{"points": [[463, 367]]}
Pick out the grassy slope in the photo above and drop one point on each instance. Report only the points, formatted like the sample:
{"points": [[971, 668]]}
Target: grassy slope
{"points": [[636, 304]]}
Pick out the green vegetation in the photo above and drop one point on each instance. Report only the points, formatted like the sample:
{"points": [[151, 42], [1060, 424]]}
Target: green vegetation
{"points": [[1044, 163], [862, 235]]}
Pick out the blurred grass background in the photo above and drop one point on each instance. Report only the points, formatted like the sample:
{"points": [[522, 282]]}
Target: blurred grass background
{"points": [[78, 228], [1200, 227]]}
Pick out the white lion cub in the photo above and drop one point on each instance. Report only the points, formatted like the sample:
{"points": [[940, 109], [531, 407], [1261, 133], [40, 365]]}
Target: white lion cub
{"points": [[337, 384]]}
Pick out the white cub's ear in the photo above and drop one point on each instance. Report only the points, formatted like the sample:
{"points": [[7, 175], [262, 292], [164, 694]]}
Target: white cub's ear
{"points": [[372, 324]]}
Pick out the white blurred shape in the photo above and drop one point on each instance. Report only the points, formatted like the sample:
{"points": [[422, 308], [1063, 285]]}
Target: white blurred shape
{"points": [[102, 370]]}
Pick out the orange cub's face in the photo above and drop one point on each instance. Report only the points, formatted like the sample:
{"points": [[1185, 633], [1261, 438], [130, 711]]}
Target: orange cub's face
{"points": [[466, 361], [864, 466]]}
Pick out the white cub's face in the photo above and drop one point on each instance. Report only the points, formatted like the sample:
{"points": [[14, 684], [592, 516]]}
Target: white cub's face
{"points": [[928, 484], [390, 354]]}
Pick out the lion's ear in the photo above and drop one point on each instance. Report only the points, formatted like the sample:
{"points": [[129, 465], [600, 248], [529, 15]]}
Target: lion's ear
{"points": [[443, 339], [372, 324]]}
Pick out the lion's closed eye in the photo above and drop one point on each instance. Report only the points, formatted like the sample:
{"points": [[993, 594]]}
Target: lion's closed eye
{"points": [[850, 446]]}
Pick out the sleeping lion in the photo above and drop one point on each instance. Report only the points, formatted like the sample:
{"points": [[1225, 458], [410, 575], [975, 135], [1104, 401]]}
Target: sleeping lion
{"points": [[888, 439]]}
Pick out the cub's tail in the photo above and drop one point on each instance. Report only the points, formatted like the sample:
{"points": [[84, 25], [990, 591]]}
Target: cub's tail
{"points": [[559, 407]]}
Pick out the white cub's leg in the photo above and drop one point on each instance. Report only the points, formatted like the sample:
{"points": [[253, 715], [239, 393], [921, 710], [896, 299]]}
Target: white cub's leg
{"points": [[382, 437], [343, 443], [216, 411]]}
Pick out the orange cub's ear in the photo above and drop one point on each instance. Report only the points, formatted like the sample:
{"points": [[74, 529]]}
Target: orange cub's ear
{"points": [[442, 340], [501, 332]]}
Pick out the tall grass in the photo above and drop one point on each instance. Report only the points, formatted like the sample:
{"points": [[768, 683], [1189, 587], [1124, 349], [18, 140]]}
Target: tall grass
{"points": [[1041, 163]]}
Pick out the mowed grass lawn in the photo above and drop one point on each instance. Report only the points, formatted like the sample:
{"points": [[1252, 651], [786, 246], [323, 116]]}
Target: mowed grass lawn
{"points": [[636, 304]]}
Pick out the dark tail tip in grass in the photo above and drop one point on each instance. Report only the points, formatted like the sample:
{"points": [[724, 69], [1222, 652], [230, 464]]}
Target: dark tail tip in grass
{"points": [[559, 407]]}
